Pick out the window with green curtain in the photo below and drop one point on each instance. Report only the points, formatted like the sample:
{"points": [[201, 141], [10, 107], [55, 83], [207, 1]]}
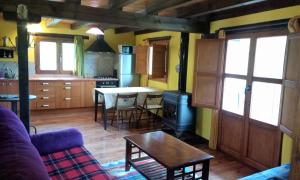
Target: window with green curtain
{"points": [[79, 50]]}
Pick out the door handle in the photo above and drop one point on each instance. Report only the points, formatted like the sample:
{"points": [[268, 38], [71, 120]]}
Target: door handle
{"points": [[45, 97], [248, 88], [45, 90], [45, 105], [68, 99], [68, 83], [45, 83], [68, 88]]}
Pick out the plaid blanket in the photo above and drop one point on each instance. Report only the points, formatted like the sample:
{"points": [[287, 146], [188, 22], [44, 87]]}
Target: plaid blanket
{"points": [[74, 163]]}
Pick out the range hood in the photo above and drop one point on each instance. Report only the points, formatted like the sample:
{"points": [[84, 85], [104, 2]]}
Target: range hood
{"points": [[100, 46]]}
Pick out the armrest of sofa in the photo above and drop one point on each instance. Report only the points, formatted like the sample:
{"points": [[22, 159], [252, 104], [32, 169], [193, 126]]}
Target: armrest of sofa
{"points": [[47, 143]]}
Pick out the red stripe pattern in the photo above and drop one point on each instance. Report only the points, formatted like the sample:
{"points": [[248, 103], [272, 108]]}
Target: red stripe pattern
{"points": [[74, 163]]}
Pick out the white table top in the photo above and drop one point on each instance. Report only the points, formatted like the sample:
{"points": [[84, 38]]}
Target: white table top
{"points": [[125, 90], [109, 95]]}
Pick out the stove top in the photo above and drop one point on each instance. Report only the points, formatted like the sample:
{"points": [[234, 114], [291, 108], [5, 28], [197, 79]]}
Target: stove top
{"points": [[106, 78]]}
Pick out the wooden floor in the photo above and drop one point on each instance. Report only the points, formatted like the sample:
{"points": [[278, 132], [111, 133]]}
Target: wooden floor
{"points": [[107, 146]]}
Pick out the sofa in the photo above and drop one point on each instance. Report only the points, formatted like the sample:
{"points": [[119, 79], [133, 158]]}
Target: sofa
{"points": [[53, 155]]}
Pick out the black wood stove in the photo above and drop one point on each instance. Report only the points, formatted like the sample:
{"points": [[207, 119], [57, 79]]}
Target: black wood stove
{"points": [[178, 114]]}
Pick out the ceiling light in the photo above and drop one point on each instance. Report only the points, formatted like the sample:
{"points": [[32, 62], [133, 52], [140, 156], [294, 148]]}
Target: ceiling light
{"points": [[95, 31]]}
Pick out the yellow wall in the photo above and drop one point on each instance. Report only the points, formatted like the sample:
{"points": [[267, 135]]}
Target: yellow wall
{"points": [[286, 151], [9, 28], [115, 39], [172, 83]]}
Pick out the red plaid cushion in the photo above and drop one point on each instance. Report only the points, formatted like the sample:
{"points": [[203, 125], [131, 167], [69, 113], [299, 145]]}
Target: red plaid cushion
{"points": [[75, 163]]}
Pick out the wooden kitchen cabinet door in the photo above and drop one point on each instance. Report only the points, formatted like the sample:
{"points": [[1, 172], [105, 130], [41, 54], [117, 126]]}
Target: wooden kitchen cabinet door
{"points": [[208, 72], [87, 89], [141, 60], [159, 61]]}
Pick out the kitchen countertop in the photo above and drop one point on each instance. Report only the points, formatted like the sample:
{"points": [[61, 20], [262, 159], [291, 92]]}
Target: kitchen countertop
{"points": [[56, 78]]}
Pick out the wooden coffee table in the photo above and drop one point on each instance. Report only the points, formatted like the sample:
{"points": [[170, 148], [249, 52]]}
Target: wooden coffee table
{"points": [[161, 156]]}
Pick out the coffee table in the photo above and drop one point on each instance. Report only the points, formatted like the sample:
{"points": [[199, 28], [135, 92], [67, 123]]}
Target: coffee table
{"points": [[161, 156]]}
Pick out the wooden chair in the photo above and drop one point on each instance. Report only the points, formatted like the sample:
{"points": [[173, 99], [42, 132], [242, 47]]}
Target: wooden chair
{"points": [[125, 103], [153, 102]]}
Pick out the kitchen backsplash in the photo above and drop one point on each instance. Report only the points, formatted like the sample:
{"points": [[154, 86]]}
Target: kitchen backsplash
{"points": [[13, 67], [99, 64], [94, 64]]}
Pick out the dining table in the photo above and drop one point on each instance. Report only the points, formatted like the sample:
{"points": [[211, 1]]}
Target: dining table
{"points": [[107, 98]]}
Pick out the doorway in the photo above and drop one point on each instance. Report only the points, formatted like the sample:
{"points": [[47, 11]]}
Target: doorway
{"points": [[251, 100]]}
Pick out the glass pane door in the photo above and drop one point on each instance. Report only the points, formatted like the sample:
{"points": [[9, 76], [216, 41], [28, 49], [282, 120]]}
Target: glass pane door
{"points": [[268, 69], [236, 68]]}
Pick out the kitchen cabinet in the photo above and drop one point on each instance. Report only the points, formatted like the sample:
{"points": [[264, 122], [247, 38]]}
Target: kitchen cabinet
{"points": [[87, 89], [68, 94], [45, 92], [54, 94]]}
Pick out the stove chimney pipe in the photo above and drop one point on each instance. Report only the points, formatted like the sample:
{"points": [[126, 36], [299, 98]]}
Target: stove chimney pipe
{"points": [[184, 48]]}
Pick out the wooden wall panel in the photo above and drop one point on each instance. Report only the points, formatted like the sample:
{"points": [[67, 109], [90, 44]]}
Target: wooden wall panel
{"points": [[263, 146], [231, 134], [290, 84]]}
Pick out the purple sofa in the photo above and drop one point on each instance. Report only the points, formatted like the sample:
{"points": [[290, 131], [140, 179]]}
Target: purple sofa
{"points": [[55, 155]]}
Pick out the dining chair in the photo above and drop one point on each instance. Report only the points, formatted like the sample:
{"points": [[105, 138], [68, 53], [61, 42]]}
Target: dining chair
{"points": [[151, 107], [125, 103]]}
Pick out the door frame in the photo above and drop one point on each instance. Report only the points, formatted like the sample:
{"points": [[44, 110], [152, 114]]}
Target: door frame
{"points": [[247, 121]]}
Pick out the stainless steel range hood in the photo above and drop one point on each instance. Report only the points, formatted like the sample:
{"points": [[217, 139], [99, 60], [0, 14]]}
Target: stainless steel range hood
{"points": [[100, 46]]}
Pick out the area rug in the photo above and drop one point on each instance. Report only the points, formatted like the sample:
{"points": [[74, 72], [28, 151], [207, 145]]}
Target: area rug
{"points": [[117, 169]]}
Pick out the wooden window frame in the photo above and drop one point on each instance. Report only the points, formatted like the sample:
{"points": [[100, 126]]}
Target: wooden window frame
{"points": [[59, 62], [165, 41]]}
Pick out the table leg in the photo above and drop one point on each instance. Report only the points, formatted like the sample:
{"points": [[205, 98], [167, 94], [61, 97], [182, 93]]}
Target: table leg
{"points": [[14, 107], [104, 115], [205, 170], [128, 155], [170, 174], [96, 105]]}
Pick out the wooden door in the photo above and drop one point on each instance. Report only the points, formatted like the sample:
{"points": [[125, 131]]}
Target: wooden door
{"points": [[251, 100], [141, 60]]}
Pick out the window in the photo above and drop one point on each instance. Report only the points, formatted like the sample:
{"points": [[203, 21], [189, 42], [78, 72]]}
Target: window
{"points": [[255, 65], [54, 56]]}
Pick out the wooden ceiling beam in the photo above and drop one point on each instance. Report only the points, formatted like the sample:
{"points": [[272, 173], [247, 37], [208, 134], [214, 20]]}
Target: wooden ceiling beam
{"points": [[100, 15], [126, 30], [255, 8], [209, 7], [78, 25], [158, 6], [119, 4]]}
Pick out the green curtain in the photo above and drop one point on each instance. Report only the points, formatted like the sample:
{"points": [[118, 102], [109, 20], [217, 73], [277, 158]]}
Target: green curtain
{"points": [[79, 54]]}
